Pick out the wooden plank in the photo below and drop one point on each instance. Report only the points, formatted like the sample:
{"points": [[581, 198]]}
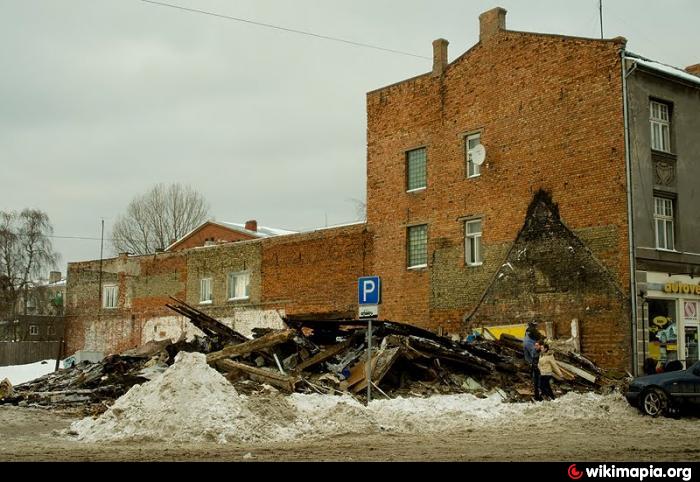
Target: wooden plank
{"points": [[323, 355], [271, 339], [285, 382], [381, 364], [577, 371]]}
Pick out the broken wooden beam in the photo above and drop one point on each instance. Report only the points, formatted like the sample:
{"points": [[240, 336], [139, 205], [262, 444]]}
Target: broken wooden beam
{"points": [[267, 341], [285, 382], [323, 355], [578, 371], [381, 364]]}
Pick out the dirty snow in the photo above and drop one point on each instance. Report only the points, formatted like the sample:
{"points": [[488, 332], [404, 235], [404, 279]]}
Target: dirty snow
{"points": [[25, 373], [193, 402]]}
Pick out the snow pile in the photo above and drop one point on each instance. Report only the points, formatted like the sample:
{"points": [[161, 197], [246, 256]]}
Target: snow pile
{"points": [[188, 402], [24, 373], [193, 402]]}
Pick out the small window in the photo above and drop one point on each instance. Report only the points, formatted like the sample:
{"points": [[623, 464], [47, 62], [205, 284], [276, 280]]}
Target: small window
{"points": [[205, 290], [663, 221], [239, 286], [33, 329], [416, 177], [660, 126], [51, 330], [473, 170], [472, 248], [109, 296], [418, 246]]}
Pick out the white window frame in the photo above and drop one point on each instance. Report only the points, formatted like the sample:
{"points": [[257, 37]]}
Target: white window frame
{"points": [[408, 170], [205, 292], [233, 291], [473, 238], [473, 170], [663, 216], [660, 123], [110, 296], [33, 330], [408, 247]]}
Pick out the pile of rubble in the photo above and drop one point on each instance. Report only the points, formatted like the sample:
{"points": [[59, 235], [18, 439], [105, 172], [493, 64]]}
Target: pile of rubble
{"points": [[316, 356]]}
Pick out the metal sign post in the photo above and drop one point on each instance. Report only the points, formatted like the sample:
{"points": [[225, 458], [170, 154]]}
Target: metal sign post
{"points": [[369, 361], [369, 295]]}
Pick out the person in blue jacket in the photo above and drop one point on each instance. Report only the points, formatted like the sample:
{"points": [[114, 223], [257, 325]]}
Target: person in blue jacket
{"points": [[531, 351]]}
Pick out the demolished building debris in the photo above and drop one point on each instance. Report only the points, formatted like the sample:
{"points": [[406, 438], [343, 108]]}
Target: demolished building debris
{"points": [[315, 356]]}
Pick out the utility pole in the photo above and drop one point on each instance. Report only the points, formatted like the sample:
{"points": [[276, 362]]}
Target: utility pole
{"points": [[600, 12], [102, 239]]}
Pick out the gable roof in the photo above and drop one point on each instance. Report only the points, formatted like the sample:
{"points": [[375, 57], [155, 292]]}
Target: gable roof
{"points": [[262, 232]]}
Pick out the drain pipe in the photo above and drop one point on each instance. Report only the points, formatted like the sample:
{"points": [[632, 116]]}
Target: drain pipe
{"points": [[630, 216]]}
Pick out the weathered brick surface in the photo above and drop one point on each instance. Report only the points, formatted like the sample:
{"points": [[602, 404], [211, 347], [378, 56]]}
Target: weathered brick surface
{"points": [[549, 109], [217, 262], [315, 272], [210, 231]]}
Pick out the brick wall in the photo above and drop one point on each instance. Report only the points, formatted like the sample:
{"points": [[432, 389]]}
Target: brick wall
{"points": [[210, 231], [315, 272], [549, 110]]}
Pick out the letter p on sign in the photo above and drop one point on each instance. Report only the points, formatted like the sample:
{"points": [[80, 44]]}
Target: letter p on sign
{"points": [[369, 290]]}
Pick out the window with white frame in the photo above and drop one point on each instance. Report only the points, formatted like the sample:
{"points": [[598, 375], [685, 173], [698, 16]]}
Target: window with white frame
{"points": [[239, 285], [417, 246], [33, 329], [663, 223], [660, 126], [205, 290], [416, 169], [470, 142], [109, 296], [472, 248]]}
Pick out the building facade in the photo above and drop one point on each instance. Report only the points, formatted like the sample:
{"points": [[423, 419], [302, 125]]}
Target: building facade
{"points": [[664, 147], [536, 176]]}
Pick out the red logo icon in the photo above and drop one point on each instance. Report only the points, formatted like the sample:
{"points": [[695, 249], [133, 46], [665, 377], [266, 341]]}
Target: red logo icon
{"points": [[574, 473]]}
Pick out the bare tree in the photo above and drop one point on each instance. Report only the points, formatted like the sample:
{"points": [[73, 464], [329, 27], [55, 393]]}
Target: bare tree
{"points": [[26, 252], [154, 219]]}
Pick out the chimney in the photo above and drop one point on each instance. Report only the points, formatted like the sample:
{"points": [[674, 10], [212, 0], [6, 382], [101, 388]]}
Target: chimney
{"points": [[54, 276], [439, 56], [251, 225], [693, 69], [491, 22]]}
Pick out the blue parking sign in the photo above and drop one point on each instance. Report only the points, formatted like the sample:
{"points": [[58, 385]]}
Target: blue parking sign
{"points": [[369, 289]]}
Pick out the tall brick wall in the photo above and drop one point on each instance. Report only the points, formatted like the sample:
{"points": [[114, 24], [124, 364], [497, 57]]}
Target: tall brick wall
{"points": [[315, 272], [549, 110]]}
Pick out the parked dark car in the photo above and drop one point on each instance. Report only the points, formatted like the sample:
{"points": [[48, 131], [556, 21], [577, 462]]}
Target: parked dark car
{"points": [[666, 393]]}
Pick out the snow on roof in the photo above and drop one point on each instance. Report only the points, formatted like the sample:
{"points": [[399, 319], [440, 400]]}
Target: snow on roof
{"points": [[663, 68], [262, 232]]}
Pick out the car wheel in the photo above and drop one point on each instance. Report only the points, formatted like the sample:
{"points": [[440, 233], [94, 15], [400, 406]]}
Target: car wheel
{"points": [[654, 402]]}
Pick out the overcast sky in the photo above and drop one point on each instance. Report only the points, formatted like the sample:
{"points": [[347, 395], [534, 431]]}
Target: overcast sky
{"points": [[101, 99]]}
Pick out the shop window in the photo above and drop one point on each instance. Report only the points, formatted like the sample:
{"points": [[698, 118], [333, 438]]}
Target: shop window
{"points": [[663, 332]]}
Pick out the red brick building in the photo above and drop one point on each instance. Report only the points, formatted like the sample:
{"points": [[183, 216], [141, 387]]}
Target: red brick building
{"points": [[499, 190], [460, 244]]}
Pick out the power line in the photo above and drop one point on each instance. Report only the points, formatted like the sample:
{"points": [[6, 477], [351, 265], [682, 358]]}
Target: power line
{"points": [[277, 27]]}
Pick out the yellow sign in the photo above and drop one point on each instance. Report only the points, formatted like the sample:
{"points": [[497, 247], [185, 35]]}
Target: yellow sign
{"points": [[681, 288]]}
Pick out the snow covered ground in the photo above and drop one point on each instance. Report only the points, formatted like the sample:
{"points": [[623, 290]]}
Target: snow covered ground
{"points": [[24, 373]]}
